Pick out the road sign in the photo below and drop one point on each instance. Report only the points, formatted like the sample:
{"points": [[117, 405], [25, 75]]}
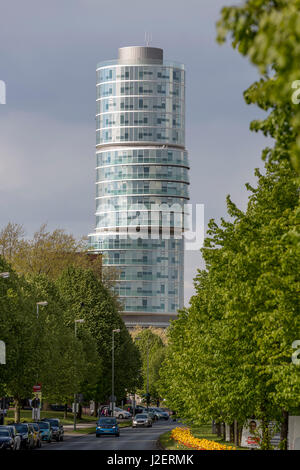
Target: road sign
{"points": [[113, 398], [73, 407], [2, 353], [37, 388]]}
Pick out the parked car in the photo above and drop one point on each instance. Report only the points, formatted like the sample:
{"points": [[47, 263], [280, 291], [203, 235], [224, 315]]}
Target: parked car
{"points": [[26, 433], [162, 414], [37, 435], [16, 437], [154, 412], [60, 408], [56, 428], [6, 440], [142, 419], [46, 431], [107, 426], [121, 414], [138, 409]]}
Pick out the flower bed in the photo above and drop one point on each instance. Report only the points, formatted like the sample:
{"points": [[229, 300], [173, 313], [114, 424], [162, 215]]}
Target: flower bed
{"points": [[184, 436]]}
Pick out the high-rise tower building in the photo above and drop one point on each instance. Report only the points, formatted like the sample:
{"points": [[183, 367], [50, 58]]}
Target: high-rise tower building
{"points": [[142, 182]]}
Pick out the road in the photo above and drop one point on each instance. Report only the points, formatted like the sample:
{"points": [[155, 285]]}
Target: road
{"points": [[130, 439]]}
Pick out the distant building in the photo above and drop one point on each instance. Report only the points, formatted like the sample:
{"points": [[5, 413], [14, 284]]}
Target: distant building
{"points": [[141, 163]]}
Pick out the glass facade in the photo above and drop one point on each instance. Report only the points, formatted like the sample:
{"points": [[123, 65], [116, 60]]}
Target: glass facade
{"points": [[141, 182]]}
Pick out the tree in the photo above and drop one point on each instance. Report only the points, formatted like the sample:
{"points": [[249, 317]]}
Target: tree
{"points": [[229, 355], [47, 253], [152, 350], [86, 297], [268, 33], [70, 365], [17, 322], [10, 240]]}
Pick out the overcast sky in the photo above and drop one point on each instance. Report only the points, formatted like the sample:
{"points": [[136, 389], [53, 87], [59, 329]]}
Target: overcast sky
{"points": [[48, 56]]}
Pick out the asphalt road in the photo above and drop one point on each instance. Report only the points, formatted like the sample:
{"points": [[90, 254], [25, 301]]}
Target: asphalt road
{"points": [[130, 439]]}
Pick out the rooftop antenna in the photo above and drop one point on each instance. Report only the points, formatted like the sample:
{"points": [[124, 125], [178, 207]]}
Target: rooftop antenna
{"points": [[148, 39]]}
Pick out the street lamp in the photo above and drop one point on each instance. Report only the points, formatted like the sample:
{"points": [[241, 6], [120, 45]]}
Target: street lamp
{"points": [[80, 320], [42, 304], [113, 369], [4, 275]]}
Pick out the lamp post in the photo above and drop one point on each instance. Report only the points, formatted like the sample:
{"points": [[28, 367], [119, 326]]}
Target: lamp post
{"points": [[81, 320], [113, 370]]}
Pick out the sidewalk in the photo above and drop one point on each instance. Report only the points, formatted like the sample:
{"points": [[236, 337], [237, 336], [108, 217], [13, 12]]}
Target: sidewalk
{"points": [[80, 425]]}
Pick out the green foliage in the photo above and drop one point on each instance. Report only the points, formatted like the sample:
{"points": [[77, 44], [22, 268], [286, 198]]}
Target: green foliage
{"points": [[268, 33], [152, 349], [229, 354], [87, 298]]}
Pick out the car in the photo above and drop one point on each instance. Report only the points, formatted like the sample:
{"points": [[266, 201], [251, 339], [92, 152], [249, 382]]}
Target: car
{"points": [[46, 431], [6, 439], [16, 437], [107, 426], [142, 419], [150, 413], [56, 428], [137, 409], [60, 408], [37, 434], [26, 433], [155, 413], [121, 414], [162, 414]]}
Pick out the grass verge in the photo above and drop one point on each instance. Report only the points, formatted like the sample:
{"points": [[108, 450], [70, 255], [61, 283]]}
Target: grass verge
{"points": [[26, 415]]}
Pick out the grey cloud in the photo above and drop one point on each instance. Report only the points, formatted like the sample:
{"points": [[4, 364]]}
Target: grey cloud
{"points": [[49, 51]]}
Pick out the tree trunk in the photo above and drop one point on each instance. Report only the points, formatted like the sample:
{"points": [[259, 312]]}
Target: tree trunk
{"points": [[232, 433], [79, 414], [218, 426], [96, 409], [223, 427], [17, 410], [46, 406], [284, 430], [235, 433], [240, 432], [266, 439], [66, 411], [213, 427]]}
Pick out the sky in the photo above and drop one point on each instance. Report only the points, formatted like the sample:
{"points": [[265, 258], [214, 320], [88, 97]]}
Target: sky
{"points": [[48, 57]]}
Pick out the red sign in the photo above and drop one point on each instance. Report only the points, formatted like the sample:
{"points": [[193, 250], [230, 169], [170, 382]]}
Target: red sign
{"points": [[37, 388]]}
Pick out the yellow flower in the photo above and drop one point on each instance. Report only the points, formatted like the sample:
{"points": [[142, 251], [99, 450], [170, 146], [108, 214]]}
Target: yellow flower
{"points": [[185, 437]]}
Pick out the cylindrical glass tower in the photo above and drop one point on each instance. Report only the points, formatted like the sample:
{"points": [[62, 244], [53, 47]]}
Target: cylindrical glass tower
{"points": [[142, 182]]}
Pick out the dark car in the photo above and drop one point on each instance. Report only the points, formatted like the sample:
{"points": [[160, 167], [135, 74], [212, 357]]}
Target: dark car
{"points": [[56, 428], [60, 408], [107, 426], [138, 409], [6, 439], [26, 433]]}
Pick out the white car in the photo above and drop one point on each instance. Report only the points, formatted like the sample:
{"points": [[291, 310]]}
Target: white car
{"points": [[142, 419], [121, 414]]}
